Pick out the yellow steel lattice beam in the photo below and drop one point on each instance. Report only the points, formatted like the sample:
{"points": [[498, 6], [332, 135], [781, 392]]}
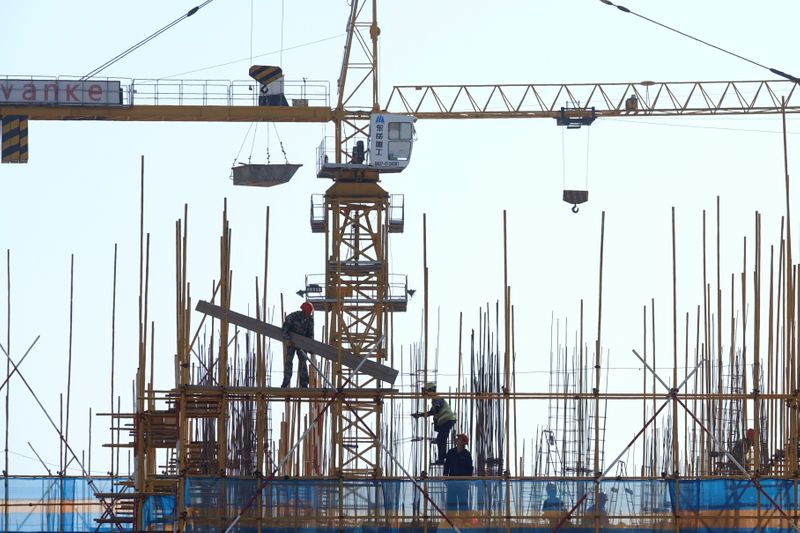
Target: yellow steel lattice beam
{"points": [[609, 99]]}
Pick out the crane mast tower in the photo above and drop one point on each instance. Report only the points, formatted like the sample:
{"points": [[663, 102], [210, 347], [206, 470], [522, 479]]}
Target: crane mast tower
{"points": [[357, 295]]}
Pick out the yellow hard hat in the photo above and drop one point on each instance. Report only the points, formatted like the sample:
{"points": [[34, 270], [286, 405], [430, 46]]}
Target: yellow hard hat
{"points": [[430, 386]]}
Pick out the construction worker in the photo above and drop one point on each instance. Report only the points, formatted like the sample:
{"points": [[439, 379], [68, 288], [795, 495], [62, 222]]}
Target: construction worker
{"points": [[598, 508], [458, 462], [302, 323], [741, 448], [552, 507], [443, 421], [552, 502]]}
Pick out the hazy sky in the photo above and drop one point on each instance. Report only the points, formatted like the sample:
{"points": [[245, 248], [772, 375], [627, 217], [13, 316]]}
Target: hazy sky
{"points": [[79, 193]]}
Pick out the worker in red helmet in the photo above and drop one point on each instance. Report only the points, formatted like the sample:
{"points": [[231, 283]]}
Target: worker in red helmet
{"points": [[458, 463], [741, 448], [302, 323]]}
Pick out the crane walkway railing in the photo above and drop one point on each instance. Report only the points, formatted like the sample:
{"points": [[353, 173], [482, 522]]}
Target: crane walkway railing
{"points": [[171, 92]]}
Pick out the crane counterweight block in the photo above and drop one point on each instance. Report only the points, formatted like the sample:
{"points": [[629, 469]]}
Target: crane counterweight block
{"points": [[348, 359], [15, 139]]}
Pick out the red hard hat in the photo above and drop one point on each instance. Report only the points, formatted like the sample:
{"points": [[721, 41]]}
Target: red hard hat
{"points": [[307, 308], [462, 437], [750, 433]]}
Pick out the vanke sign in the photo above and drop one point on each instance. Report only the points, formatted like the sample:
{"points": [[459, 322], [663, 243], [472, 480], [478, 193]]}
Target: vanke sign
{"points": [[60, 92]]}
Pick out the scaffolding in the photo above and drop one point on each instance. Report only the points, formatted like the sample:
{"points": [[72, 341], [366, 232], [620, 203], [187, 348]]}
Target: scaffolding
{"points": [[225, 450]]}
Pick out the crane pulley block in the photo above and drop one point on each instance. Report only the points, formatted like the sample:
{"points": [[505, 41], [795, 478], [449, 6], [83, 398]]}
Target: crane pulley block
{"points": [[573, 117], [575, 197]]}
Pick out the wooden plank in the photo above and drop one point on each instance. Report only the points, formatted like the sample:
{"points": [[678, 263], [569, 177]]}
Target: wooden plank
{"points": [[369, 367]]}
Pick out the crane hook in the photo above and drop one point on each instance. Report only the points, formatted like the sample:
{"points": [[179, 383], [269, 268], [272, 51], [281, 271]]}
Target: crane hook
{"points": [[575, 197]]}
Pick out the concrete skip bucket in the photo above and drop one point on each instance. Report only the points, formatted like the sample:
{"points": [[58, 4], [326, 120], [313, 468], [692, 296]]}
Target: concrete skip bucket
{"points": [[261, 175]]}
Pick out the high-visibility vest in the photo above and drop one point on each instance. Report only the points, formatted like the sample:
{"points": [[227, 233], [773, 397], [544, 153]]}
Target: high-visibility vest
{"points": [[444, 414]]}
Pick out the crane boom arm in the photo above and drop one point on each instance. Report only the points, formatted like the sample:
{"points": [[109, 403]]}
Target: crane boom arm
{"points": [[475, 101], [607, 99]]}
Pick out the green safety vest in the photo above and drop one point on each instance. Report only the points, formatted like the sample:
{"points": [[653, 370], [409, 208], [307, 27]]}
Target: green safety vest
{"points": [[444, 414]]}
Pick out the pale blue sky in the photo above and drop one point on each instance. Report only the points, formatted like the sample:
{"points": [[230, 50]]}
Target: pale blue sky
{"points": [[79, 192]]}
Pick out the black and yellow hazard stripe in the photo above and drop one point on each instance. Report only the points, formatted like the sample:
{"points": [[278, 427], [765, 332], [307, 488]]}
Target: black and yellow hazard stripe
{"points": [[15, 139], [264, 74]]}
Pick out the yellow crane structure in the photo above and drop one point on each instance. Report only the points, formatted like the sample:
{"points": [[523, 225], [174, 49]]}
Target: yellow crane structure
{"points": [[357, 215]]}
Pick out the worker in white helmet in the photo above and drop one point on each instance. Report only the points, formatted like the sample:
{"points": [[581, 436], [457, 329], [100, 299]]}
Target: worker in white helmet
{"points": [[443, 420]]}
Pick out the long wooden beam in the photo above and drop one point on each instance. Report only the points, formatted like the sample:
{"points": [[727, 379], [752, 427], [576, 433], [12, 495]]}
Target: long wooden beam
{"points": [[368, 366]]}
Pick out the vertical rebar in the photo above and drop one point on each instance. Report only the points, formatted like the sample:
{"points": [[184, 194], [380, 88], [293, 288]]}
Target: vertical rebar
{"points": [[69, 356], [8, 389], [114, 435]]}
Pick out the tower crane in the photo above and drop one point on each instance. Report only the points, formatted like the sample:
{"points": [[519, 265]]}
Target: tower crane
{"points": [[356, 213]]}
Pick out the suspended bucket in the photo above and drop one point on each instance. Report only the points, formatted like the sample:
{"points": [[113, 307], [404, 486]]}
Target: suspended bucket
{"points": [[575, 197], [260, 175]]}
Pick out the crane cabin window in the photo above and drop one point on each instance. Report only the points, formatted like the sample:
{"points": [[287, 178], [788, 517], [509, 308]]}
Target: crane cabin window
{"points": [[400, 131], [400, 135]]}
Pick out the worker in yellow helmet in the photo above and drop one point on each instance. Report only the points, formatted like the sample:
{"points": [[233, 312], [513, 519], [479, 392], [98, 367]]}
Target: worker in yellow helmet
{"points": [[443, 420]]}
